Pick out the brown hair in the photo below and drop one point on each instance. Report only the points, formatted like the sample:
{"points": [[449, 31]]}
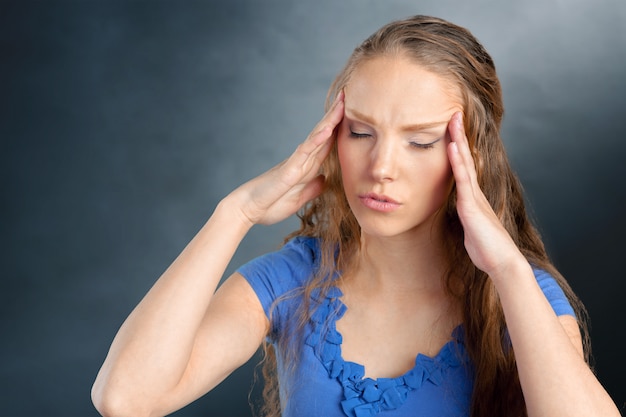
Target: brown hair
{"points": [[453, 53]]}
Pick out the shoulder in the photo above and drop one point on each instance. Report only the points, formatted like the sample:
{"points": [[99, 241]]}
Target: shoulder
{"points": [[553, 292], [546, 281], [298, 256], [276, 273]]}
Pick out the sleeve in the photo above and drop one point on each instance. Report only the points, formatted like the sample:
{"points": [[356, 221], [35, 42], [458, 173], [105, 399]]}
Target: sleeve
{"points": [[275, 274], [553, 292]]}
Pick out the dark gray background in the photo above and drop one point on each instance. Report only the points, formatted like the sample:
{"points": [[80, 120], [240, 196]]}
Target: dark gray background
{"points": [[122, 124]]}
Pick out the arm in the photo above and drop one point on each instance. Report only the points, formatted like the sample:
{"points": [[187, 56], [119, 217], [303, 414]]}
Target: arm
{"points": [[554, 377], [180, 341]]}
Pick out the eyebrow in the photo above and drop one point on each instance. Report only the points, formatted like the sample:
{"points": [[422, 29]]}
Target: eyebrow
{"points": [[407, 128]]}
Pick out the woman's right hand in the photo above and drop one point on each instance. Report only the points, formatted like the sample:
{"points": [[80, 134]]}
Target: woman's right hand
{"points": [[284, 189]]}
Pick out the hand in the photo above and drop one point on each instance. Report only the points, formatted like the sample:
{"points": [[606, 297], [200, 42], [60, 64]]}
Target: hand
{"points": [[487, 242], [284, 189]]}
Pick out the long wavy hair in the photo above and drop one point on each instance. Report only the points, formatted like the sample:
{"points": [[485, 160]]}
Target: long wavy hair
{"points": [[453, 53]]}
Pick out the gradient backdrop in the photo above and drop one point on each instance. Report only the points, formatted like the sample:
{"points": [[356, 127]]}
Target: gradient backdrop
{"points": [[123, 123]]}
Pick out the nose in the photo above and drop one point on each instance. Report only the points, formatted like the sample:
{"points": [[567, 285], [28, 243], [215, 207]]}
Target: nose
{"points": [[383, 164]]}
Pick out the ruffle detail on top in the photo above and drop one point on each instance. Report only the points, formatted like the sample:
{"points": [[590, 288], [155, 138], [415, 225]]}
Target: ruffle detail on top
{"points": [[366, 397]]}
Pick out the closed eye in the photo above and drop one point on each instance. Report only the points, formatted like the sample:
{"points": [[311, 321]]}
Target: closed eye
{"points": [[359, 135], [424, 145]]}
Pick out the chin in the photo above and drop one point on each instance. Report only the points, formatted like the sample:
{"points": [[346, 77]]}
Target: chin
{"points": [[386, 228]]}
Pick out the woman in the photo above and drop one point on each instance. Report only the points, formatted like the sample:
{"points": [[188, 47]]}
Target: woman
{"points": [[416, 286]]}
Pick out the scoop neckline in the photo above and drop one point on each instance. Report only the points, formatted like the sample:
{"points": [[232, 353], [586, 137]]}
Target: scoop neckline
{"points": [[366, 395], [454, 338], [419, 356]]}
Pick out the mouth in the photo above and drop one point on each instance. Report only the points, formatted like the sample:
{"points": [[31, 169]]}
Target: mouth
{"points": [[379, 197], [379, 202]]}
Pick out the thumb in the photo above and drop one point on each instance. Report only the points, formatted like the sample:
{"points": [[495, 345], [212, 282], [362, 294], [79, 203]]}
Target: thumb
{"points": [[312, 189]]}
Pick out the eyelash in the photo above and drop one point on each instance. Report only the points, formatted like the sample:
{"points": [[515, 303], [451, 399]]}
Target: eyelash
{"points": [[423, 145], [431, 145], [359, 135]]}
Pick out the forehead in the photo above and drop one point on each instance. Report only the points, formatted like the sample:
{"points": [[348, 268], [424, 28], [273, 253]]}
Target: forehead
{"points": [[396, 90]]}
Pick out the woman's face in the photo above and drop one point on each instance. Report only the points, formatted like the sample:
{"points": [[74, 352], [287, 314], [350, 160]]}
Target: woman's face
{"points": [[392, 145]]}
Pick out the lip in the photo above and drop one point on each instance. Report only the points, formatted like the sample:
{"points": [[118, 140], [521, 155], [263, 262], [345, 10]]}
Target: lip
{"points": [[379, 202]]}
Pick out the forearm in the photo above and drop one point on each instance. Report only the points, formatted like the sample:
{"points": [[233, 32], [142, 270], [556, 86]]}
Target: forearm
{"points": [[555, 379], [157, 344], [152, 348]]}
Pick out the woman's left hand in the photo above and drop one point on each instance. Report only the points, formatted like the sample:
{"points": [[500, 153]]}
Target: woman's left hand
{"points": [[487, 242]]}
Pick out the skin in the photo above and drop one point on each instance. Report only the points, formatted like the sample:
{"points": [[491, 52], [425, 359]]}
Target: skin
{"points": [[400, 118], [393, 142], [179, 343]]}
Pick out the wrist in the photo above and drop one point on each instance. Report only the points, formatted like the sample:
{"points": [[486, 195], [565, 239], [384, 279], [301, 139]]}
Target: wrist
{"points": [[516, 266], [229, 211]]}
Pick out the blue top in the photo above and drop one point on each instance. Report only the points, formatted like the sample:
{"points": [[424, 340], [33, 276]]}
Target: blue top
{"points": [[323, 384]]}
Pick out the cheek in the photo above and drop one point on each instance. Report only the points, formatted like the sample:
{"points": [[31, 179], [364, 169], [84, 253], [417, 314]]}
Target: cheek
{"points": [[443, 180], [443, 168], [350, 166], [439, 174]]}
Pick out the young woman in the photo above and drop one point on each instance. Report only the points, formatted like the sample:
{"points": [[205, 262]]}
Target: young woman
{"points": [[416, 285]]}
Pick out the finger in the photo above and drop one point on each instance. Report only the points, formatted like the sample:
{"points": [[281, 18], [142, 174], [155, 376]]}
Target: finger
{"points": [[461, 146], [303, 165], [457, 161], [312, 189], [323, 130], [457, 132], [334, 115], [459, 170], [319, 143]]}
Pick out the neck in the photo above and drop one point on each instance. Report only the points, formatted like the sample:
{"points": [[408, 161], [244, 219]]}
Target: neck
{"points": [[400, 264]]}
